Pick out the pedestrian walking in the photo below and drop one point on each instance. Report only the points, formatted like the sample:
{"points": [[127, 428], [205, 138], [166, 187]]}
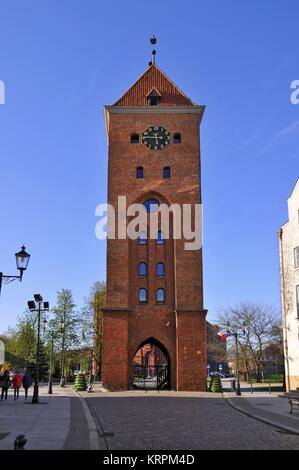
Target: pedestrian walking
{"points": [[27, 382], [17, 382], [5, 384]]}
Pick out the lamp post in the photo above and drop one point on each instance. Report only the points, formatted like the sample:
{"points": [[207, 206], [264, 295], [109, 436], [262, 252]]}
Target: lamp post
{"points": [[36, 306], [62, 329], [235, 334], [22, 260], [238, 390], [50, 391], [50, 388]]}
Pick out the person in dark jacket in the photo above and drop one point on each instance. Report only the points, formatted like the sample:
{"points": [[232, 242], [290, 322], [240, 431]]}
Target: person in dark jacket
{"points": [[5, 384], [27, 382]]}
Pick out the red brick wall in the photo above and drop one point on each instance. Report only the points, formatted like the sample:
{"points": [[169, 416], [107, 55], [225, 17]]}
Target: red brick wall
{"points": [[183, 269], [191, 351], [115, 350]]}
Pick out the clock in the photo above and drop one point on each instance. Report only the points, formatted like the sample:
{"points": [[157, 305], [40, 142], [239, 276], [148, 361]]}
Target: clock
{"points": [[156, 138]]}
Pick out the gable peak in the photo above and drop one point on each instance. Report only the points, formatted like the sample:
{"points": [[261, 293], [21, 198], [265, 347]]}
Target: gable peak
{"points": [[154, 80]]}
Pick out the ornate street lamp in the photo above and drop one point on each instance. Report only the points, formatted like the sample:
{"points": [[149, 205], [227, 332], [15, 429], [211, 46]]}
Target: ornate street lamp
{"points": [[236, 334], [22, 260], [36, 306]]}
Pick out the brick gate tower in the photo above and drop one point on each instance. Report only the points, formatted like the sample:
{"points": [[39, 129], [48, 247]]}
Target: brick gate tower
{"points": [[154, 333]]}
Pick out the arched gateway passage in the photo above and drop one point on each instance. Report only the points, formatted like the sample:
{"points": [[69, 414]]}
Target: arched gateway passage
{"points": [[151, 366]]}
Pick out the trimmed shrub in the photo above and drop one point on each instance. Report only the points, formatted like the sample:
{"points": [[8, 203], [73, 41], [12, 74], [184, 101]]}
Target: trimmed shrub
{"points": [[215, 384], [80, 383]]}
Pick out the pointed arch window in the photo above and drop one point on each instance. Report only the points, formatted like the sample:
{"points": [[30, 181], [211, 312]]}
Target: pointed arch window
{"points": [[142, 295], [160, 295], [142, 270]]}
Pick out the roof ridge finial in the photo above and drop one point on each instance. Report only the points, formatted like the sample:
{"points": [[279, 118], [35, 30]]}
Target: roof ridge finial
{"points": [[153, 41]]}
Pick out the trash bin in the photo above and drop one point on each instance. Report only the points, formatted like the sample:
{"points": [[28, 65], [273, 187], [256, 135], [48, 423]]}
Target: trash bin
{"points": [[233, 385]]}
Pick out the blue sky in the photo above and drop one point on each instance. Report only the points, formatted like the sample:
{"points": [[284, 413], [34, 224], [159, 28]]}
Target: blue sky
{"points": [[62, 61]]}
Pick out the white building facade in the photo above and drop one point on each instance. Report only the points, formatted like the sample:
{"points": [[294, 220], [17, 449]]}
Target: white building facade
{"points": [[289, 280]]}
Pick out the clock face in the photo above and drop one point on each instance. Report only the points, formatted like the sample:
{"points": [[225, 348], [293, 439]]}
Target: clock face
{"points": [[156, 138]]}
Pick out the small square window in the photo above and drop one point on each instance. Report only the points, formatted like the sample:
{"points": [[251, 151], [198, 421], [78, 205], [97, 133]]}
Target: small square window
{"points": [[296, 257], [176, 138], [139, 172], [153, 100], [134, 139], [166, 172]]}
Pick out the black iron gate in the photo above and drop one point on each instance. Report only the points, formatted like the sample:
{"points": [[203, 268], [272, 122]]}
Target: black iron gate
{"points": [[154, 377]]}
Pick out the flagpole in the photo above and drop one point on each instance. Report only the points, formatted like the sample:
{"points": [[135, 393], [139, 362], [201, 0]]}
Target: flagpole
{"points": [[235, 334]]}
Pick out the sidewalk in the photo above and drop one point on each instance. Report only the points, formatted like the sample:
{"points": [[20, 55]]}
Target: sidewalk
{"points": [[271, 410], [100, 392], [52, 424]]}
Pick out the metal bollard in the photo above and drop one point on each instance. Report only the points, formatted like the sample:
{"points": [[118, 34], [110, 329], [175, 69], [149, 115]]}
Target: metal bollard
{"points": [[270, 389], [251, 389]]}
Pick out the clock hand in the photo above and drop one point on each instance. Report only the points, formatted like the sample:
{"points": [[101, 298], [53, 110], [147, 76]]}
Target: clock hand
{"points": [[151, 137]]}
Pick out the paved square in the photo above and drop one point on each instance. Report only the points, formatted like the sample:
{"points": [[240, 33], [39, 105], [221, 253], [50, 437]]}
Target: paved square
{"points": [[175, 423]]}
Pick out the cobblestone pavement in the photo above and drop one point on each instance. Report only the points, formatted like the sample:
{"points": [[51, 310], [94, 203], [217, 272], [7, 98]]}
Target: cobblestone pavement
{"points": [[175, 423]]}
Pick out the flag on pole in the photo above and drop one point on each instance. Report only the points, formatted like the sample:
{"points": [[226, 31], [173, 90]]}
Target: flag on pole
{"points": [[224, 334]]}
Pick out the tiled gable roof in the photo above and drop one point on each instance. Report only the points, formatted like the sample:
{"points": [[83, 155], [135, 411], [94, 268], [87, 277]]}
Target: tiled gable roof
{"points": [[154, 78]]}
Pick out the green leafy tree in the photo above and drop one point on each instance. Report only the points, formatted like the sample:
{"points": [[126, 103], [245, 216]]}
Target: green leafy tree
{"points": [[21, 345], [92, 323], [66, 326]]}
